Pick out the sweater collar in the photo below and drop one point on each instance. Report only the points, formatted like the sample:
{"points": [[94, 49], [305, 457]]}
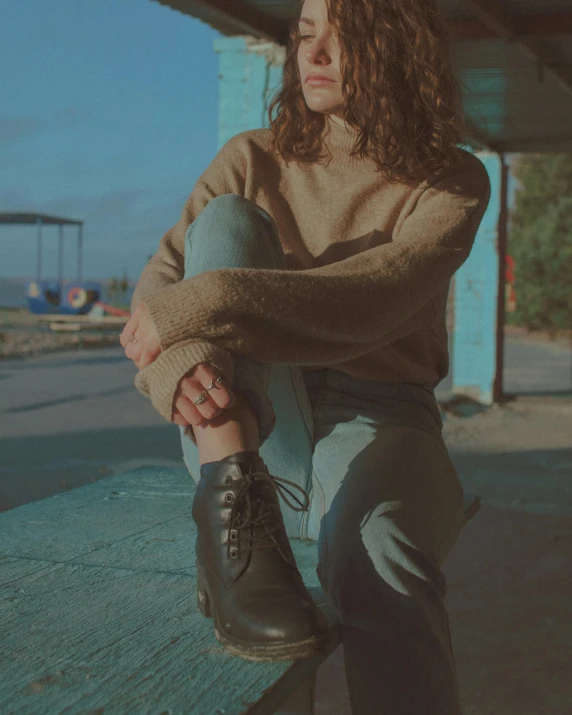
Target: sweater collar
{"points": [[340, 139]]}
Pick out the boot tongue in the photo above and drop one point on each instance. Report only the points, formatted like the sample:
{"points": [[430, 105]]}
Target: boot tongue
{"points": [[262, 496]]}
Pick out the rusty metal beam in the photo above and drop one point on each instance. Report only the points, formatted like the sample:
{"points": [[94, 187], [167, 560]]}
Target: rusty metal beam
{"points": [[234, 18], [231, 17], [499, 20], [547, 144], [549, 24]]}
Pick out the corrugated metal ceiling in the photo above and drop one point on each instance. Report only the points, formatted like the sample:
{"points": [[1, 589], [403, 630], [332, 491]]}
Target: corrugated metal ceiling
{"points": [[513, 60]]}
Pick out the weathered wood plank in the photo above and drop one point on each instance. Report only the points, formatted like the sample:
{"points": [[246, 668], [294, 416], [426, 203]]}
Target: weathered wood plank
{"points": [[98, 608], [97, 515]]}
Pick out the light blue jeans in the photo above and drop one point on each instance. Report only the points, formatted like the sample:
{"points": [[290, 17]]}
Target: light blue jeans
{"points": [[386, 500]]}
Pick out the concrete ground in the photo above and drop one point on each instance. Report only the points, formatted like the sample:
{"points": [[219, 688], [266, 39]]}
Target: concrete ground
{"points": [[71, 418]]}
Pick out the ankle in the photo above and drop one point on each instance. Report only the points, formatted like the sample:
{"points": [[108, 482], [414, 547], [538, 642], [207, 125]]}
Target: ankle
{"points": [[235, 430]]}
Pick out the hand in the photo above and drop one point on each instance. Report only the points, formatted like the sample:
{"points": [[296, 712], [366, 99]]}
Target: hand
{"points": [[190, 386], [146, 347]]}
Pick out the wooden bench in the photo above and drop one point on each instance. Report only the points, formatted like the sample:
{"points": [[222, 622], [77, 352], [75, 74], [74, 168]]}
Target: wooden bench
{"points": [[98, 609]]}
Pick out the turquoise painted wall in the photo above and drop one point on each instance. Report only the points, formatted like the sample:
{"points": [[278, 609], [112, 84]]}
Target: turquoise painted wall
{"points": [[473, 358], [250, 71]]}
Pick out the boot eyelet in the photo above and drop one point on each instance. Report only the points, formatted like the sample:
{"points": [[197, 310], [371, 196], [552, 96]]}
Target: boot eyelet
{"points": [[228, 481], [234, 554], [228, 498], [233, 535]]}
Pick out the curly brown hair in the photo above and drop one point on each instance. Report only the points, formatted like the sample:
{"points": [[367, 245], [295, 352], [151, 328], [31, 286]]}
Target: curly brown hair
{"points": [[410, 113]]}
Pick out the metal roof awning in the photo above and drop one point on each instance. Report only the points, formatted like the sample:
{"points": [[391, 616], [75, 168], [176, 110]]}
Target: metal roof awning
{"points": [[41, 220], [513, 60], [29, 219]]}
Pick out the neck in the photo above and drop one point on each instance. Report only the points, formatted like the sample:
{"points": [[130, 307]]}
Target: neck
{"points": [[338, 120], [340, 139]]}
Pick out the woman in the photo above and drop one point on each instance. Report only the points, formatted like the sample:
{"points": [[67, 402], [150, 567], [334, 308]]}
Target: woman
{"points": [[306, 340]]}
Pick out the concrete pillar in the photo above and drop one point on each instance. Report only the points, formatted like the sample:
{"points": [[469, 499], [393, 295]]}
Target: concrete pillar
{"points": [[477, 284], [250, 71]]}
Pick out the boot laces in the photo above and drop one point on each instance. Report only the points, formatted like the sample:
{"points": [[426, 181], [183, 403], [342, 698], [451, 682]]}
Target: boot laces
{"points": [[259, 511]]}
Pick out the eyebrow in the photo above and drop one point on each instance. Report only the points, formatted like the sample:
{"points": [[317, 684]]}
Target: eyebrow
{"points": [[306, 20]]}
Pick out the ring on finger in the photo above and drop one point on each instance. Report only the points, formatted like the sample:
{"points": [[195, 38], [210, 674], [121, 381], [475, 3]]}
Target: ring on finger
{"points": [[204, 394], [132, 338], [217, 380], [203, 397]]}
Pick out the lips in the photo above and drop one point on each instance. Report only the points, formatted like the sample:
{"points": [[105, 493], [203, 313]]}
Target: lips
{"points": [[318, 76]]}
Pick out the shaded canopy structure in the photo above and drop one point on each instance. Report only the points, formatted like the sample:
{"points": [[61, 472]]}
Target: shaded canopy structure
{"points": [[513, 60], [40, 220]]}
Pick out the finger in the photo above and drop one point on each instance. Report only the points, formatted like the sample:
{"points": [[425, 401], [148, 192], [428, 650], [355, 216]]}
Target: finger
{"points": [[189, 411], [178, 418], [205, 373], [221, 395], [190, 389], [129, 328], [207, 409], [123, 336], [133, 351], [147, 356]]}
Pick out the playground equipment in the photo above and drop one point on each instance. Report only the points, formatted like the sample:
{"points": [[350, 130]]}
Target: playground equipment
{"points": [[59, 297]]}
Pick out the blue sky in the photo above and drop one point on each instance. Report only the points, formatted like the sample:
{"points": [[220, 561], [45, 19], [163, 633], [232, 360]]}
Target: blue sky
{"points": [[108, 115]]}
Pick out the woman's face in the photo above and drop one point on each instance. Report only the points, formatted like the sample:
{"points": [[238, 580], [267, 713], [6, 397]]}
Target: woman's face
{"points": [[319, 53]]}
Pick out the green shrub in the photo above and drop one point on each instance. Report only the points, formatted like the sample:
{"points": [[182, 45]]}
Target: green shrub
{"points": [[540, 241]]}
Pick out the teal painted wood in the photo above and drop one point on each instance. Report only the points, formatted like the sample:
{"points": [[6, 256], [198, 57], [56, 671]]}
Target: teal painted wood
{"points": [[476, 293], [98, 608], [250, 70]]}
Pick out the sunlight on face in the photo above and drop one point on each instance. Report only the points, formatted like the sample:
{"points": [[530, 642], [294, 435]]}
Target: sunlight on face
{"points": [[319, 53]]}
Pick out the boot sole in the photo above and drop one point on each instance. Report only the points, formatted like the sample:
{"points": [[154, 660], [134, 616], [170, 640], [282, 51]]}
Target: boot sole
{"points": [[253, 651]]}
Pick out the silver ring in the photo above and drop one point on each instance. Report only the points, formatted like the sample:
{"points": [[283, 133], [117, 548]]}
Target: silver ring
{"points": [[201, 398], [204, 394], [132, 338], [217, 380]]}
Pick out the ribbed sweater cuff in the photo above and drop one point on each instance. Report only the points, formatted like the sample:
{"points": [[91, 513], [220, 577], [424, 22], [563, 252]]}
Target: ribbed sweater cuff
{"points": [[177, 312], [160, 379]]}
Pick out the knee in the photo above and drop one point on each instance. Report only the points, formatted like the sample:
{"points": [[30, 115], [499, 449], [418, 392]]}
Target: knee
{"points": [[230, 202], [235, 212], [237, 226], [379, 561]]}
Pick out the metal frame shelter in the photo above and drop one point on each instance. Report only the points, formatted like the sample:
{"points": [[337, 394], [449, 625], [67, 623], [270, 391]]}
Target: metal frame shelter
{"points": [[513, 60], [40, 220]]}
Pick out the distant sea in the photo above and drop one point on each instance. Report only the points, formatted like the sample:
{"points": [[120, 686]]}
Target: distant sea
{"points": [[13, 292]]}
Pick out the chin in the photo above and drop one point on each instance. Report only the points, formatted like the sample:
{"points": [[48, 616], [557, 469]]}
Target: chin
{"points": [[320, 108]]}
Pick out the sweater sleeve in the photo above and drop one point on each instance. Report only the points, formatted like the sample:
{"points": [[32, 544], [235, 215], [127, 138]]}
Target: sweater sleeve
{"points": [[158, 381], [224, 175], [340, 311]]}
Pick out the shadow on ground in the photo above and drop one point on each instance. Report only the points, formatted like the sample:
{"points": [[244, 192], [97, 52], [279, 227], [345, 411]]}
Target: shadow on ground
{"points": [[34, 468]]}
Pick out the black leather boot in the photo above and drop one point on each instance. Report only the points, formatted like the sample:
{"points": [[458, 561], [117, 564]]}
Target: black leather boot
{"points": [[247, 577]]}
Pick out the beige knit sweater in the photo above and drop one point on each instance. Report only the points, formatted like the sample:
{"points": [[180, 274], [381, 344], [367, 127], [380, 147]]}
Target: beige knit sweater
{"points": [[369, 265]]}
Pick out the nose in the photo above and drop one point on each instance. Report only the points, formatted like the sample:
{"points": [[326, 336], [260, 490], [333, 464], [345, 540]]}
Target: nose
{"points": [[317, 52]]}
